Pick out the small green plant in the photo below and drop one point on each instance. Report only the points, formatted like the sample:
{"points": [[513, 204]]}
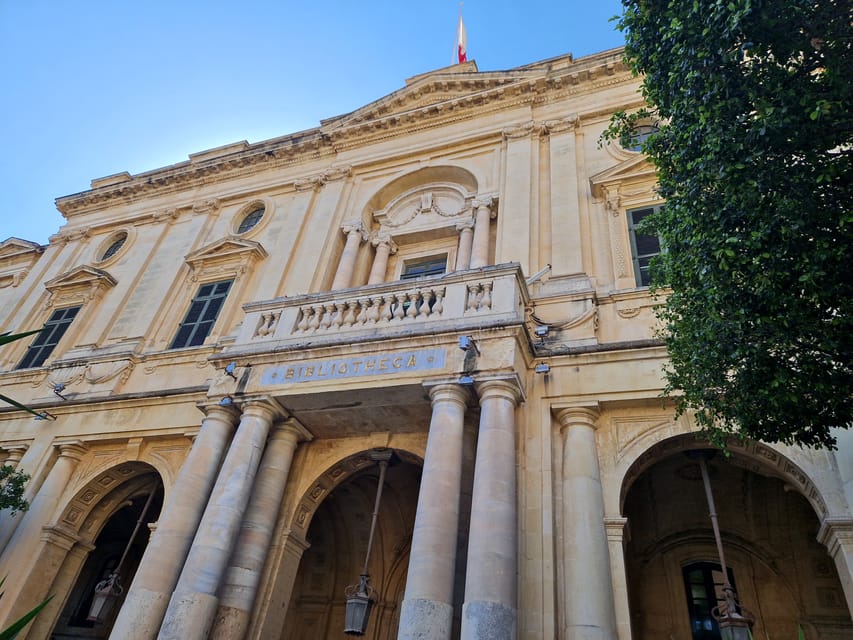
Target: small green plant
{"points": [[10, 632], [800, 634]]}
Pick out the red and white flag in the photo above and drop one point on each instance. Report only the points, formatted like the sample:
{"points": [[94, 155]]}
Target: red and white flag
{"points": [[461, 42]]}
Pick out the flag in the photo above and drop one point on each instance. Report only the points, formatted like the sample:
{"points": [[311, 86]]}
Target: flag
{"points": [[461, 42]]}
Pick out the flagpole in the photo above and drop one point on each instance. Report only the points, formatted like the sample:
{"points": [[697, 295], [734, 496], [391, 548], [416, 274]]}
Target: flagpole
{"points": [[453, 58]]}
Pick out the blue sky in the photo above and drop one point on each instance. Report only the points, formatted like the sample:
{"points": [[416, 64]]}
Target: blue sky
{"points": [[91, 87]]}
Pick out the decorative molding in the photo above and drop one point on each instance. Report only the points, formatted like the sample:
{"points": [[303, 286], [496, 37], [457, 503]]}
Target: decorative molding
{"points": [[80, 285], [227, 256], [206, 207]]}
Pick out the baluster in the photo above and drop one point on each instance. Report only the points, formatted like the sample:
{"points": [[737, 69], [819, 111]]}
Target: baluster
{"points": [[275, 317], [398, 306], [362, 311], [303, 321], [412, 311], [438, 307], [338, 320], [426, 308], [486, 301], [326, 322], [472, 297], [349, 316], [261, 329], [386, 314], [372, 310], [315, 317]]}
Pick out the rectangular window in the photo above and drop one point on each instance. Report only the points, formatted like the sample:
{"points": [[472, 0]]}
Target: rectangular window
{"points": [[423, 267], [644, 247], [48, 337], [201, 315], [703, 583]]}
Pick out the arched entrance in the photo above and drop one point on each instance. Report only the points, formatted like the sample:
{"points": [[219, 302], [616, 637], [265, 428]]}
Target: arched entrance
{"points": [[781, 573], [119, 545], [338, 535]]}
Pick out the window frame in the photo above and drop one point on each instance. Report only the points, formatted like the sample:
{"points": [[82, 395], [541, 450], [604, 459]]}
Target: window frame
{"points": [[642, 274], [432, 259], [712, 588], [54, 329], [202, 304]]}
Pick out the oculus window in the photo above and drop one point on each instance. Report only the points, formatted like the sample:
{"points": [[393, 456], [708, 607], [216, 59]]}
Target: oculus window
{"points": [[48, 337], [202, 314], [644, 246], [424, 267], [114, 247], [251, 219]]}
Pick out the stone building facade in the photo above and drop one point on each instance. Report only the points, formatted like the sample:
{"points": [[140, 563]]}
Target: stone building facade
{"points": [[450, 275]]}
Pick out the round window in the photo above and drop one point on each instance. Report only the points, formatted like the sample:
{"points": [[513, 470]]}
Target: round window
{"points": [[251, 219], [639, 134], [114, 246]]}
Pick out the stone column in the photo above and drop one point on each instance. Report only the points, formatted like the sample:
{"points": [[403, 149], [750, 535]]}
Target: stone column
{"points": [[148, 597], [193, 604], [615, 528], [588, 603], [20, 558], [427, 610], [237, 593], [837, 535], [480, 243], [466, 239], [384, 247], [355, 234], [14, 453], [491, 580]]}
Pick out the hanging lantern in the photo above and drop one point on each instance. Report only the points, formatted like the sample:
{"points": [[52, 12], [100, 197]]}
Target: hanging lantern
{"points": [[360, 597], [106, 593], [734, 621], [359, 603]]}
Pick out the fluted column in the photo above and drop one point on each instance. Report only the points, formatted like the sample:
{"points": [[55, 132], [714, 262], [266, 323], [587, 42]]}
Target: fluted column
{"points": [[148, 597], [427, 610], [20, 559], [588, 604], [480, 243], [384, 247], [237, 593], [355, 234], [466, 239], [194, 602], [491, 579]]}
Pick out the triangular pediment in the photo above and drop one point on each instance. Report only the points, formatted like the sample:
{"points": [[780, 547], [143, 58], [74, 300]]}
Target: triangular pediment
{"points": [[15, 247], [227, 249], [83, 276], [453, 86], [636, 169]]}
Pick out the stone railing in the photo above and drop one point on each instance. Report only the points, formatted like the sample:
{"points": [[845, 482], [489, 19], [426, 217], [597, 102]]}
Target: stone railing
{"points": [[486, 296]]}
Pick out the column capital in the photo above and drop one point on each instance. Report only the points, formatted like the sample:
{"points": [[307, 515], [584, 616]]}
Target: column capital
{"points": [[384, 238], [265, 407], [508, 387], [447, 392], [352, 227], [75, 449], [213, 408], [834, 533], [584, 415], [291, 428], [486, 202], [14, 453], [463, 225]]}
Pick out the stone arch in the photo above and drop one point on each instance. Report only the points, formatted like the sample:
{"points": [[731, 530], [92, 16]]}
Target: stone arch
{"points": [[462, 180], [76, 532], [757, 457], [769, 508], [334, 475]]}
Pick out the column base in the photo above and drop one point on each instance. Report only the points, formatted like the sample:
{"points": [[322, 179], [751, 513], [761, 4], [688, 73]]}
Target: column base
{"points": [[230, 623], [140, 615], [425, 620], [580, 632], [488, 621], [189, 617]]}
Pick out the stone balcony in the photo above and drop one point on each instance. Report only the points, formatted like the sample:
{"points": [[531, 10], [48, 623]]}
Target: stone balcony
{"points": [[491, 296]]}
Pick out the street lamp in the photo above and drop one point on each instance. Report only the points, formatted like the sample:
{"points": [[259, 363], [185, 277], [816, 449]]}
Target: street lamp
{"points": [[734, 620], [361, 596], [108, 591]]}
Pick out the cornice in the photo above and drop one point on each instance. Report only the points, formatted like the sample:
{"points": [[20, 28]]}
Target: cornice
{"points": [[540, 83]]}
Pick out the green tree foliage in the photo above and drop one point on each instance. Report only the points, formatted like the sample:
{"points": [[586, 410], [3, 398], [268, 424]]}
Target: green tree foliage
{"points": [[12, 489], [755, 108]]}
